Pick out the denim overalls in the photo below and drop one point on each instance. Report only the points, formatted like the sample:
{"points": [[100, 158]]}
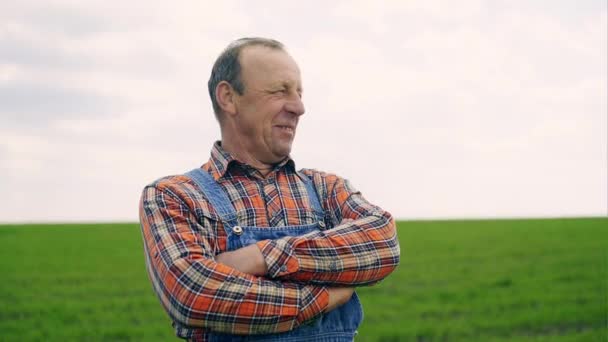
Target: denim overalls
{"points": [[338, 325]]}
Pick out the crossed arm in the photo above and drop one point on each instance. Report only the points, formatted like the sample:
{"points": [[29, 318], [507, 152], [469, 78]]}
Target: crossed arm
{"points": [[273, 286], [250, 260]]}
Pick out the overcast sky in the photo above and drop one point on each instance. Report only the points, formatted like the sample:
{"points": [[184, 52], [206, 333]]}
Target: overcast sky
{"points": [[433, 109]]}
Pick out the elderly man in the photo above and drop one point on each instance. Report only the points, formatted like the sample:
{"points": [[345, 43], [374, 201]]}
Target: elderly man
{"points": [[248, 248]]}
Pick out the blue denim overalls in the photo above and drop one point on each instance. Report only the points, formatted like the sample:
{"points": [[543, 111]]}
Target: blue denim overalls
{"points": [[336, 326]]}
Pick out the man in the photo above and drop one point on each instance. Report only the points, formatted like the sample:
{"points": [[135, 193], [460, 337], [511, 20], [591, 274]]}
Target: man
{"points": [[248, 248]]}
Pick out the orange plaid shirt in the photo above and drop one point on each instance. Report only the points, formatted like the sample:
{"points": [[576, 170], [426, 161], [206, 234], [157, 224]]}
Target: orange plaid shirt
{"points": [[182, 235]]}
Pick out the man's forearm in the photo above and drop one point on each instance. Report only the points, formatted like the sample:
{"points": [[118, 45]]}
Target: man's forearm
{"points": [[250, 260], [353, 266], [358, 252], [197, 300]]}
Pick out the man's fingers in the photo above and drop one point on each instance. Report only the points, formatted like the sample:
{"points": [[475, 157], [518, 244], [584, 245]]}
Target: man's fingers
{"points": [[248, 259]]}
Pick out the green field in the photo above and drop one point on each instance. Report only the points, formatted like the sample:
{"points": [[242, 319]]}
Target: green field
{"points": [[487, 280]]}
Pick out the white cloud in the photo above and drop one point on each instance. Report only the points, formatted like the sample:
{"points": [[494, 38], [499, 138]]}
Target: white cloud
{"points": [[432, 108]]}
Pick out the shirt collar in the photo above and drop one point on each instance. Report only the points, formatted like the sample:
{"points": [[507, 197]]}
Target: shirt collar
{"points": [[221, 162]]}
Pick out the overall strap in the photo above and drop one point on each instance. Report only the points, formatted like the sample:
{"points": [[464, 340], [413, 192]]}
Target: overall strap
{"points": [[312, 194], [216, 195]]}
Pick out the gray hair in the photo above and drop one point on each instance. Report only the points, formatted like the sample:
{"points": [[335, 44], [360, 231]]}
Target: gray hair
{"points": [[228, 68]]}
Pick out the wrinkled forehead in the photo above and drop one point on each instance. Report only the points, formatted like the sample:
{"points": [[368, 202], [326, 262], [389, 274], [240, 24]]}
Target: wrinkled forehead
{"points": [[260, 63]]}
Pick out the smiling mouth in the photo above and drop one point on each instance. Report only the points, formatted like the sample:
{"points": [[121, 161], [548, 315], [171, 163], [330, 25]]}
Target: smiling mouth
{"points": [[287, 129]]}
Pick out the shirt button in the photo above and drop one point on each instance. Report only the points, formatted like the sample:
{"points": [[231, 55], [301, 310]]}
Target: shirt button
{"points": [[283, 268], [322, 224], [237, 230]]}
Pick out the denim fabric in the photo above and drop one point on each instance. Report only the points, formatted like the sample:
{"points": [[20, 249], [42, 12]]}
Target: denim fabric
{"points": [[335, 326]]}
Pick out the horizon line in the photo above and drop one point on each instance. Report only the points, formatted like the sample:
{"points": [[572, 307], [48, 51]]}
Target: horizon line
{"points": [[410, 219]]}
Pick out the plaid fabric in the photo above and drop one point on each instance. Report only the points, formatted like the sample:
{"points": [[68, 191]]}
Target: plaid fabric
{"points": [[182, 233]]}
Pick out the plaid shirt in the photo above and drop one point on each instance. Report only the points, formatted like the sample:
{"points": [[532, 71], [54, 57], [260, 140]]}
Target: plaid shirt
{"points": [[182, 235]]}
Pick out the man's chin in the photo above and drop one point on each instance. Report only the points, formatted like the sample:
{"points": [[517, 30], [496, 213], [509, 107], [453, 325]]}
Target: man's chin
{"points": [[282, 153]]}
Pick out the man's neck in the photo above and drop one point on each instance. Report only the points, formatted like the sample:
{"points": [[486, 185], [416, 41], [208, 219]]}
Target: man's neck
{"points": [[241, 154]]}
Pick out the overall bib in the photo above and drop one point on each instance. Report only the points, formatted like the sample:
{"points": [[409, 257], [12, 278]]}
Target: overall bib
{"points": [[335, 326]]}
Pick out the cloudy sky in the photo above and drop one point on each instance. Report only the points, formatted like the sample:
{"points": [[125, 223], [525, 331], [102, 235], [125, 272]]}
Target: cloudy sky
{"points": [[433, 109]]}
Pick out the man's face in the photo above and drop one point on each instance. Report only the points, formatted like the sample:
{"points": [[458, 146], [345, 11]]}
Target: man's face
{"points": [[271, 105]]}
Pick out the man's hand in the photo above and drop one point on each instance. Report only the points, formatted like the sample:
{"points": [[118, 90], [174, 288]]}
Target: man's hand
{"points": [[338, 296], [248, 260]]}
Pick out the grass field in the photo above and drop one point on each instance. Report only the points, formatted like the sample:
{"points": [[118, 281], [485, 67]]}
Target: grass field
{"points": [[488, 280]]}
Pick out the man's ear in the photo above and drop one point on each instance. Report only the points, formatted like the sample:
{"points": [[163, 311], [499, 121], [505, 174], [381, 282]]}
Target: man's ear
{"points": [[226, 96]]}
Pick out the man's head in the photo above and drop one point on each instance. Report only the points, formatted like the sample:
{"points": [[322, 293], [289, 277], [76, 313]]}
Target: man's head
{"points": [[256, 89]]}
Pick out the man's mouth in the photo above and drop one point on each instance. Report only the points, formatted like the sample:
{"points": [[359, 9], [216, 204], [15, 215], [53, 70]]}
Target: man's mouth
{"points": [[288, 129]]}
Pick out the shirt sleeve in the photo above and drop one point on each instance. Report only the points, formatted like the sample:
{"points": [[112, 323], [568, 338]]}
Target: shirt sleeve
{"points": [[361, 249], [198, 292]]}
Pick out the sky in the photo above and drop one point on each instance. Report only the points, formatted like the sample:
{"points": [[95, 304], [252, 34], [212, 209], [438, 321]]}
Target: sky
{"points": [[432, 109]]}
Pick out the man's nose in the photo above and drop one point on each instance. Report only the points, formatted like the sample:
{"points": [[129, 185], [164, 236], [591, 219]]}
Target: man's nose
{"points": [[295, 105]]}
